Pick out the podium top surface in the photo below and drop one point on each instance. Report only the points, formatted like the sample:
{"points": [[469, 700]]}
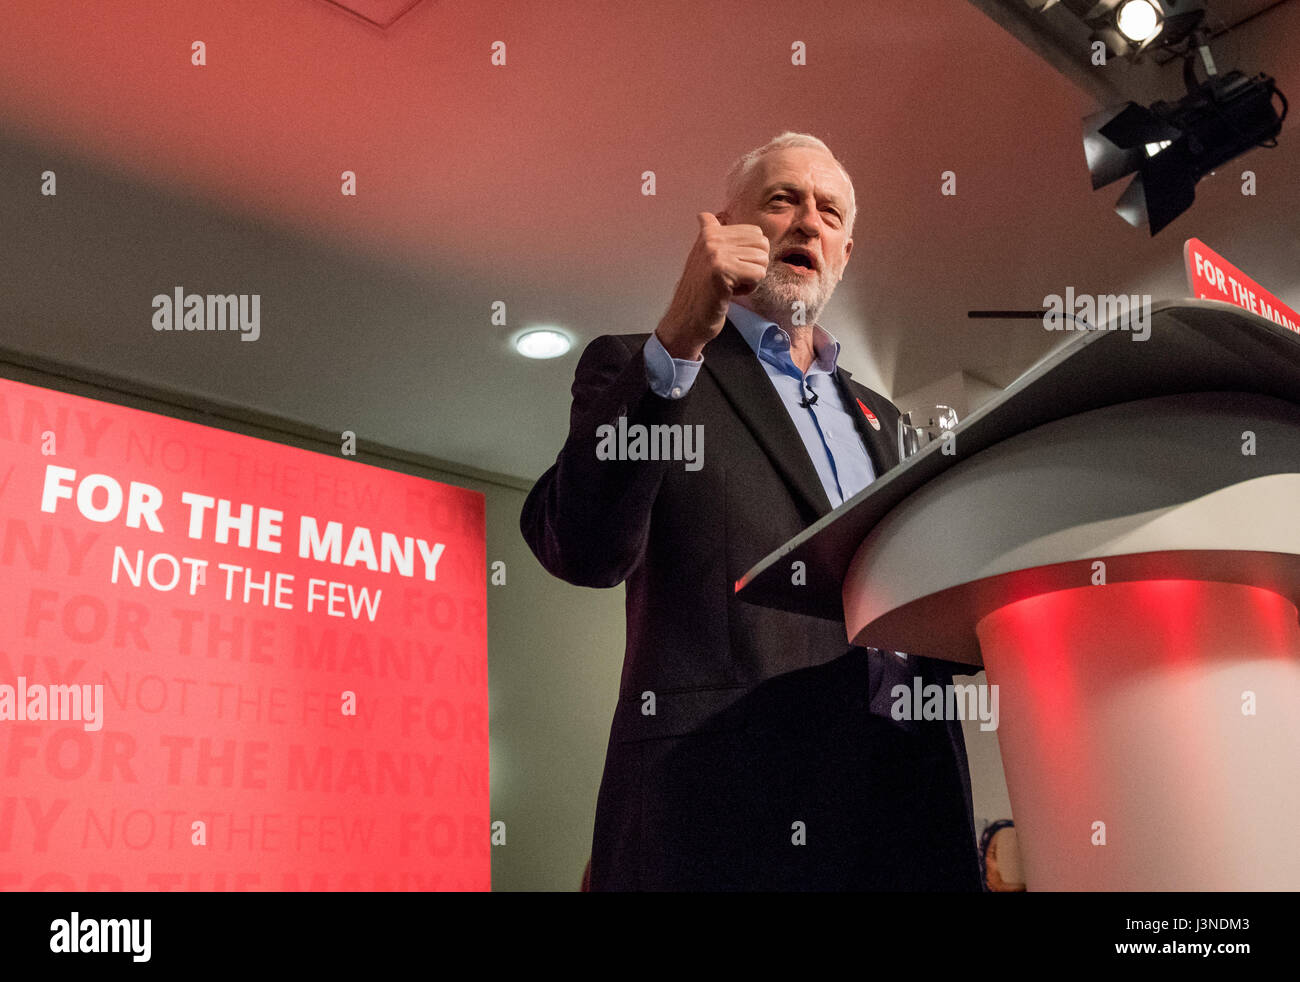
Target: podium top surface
{"points": [[1194, 346]]}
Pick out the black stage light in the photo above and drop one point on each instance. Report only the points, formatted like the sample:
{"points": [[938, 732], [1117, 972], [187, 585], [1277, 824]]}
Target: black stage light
{"points": [[1172, 145]]}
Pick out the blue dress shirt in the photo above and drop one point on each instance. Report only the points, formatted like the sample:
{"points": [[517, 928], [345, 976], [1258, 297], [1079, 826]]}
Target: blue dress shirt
{"points": [[825, 425]]}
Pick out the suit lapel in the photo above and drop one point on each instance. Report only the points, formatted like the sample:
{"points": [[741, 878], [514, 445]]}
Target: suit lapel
{"points": [[744, 382], [881, 444]]}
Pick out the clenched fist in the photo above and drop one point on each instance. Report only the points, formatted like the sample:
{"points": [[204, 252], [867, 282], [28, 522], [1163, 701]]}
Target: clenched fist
{"points": [[726, 261]]}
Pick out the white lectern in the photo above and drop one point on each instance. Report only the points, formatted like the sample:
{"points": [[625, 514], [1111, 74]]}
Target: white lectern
{"points": [[1116, 539]]}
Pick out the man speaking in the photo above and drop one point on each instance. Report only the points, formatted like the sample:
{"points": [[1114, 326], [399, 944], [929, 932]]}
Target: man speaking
{"points": [[751, 749]]}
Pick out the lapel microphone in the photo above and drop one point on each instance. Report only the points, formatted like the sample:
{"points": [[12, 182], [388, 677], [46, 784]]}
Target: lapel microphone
{"points": [[809, 399]]}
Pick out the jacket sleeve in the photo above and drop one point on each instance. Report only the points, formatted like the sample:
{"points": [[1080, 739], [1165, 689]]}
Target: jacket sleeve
{"points": [[588, 520]]}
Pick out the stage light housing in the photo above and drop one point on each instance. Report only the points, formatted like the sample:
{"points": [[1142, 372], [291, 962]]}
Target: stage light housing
{"points": [[1138, 20], [1130, 27], [1172, 145]]}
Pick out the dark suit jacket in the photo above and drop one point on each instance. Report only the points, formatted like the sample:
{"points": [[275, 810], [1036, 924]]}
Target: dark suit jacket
{"points": [[769, 761]]}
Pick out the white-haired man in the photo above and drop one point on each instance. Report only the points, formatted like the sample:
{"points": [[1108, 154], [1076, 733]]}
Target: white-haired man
{"points": [[750, 748]]}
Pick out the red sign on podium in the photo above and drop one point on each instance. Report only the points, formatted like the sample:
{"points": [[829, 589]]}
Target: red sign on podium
{"points": [[1211, 277], [228, 664]]}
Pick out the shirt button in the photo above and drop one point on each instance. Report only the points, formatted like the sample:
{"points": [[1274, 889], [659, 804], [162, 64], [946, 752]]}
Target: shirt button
{"points": [[677, 391]]}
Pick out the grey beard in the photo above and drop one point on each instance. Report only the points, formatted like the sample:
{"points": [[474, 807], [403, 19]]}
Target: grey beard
{"points": [[777, 292]]}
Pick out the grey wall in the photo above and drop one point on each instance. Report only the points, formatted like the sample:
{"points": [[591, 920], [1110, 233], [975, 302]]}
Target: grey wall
{"points": [[554, 656]]}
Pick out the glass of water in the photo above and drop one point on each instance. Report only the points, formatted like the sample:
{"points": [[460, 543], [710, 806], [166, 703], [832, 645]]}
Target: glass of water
{"points": [[918, 428]]}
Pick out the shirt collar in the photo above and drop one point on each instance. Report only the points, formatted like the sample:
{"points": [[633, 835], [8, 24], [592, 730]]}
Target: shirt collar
{"points": [[764, 335]]}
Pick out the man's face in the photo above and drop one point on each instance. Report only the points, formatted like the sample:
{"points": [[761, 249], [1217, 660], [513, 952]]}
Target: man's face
{"points": [[800, 199]]}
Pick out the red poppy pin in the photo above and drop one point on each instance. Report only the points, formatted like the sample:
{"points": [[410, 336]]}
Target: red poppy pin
{"points": [[871, 417]]}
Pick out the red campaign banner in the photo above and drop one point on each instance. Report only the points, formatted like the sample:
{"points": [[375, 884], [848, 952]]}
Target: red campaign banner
{"points": [[228, 664], [1211, 277]]}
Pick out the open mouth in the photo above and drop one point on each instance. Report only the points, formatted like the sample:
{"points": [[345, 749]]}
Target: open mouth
{"points": [[799, 261]]}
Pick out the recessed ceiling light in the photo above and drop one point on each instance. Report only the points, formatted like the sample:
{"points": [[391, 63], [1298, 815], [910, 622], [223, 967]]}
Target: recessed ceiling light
{"points": [[543, 343]]}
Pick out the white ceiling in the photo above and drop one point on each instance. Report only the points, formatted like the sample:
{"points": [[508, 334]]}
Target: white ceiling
{"points": [[522, 183]]}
